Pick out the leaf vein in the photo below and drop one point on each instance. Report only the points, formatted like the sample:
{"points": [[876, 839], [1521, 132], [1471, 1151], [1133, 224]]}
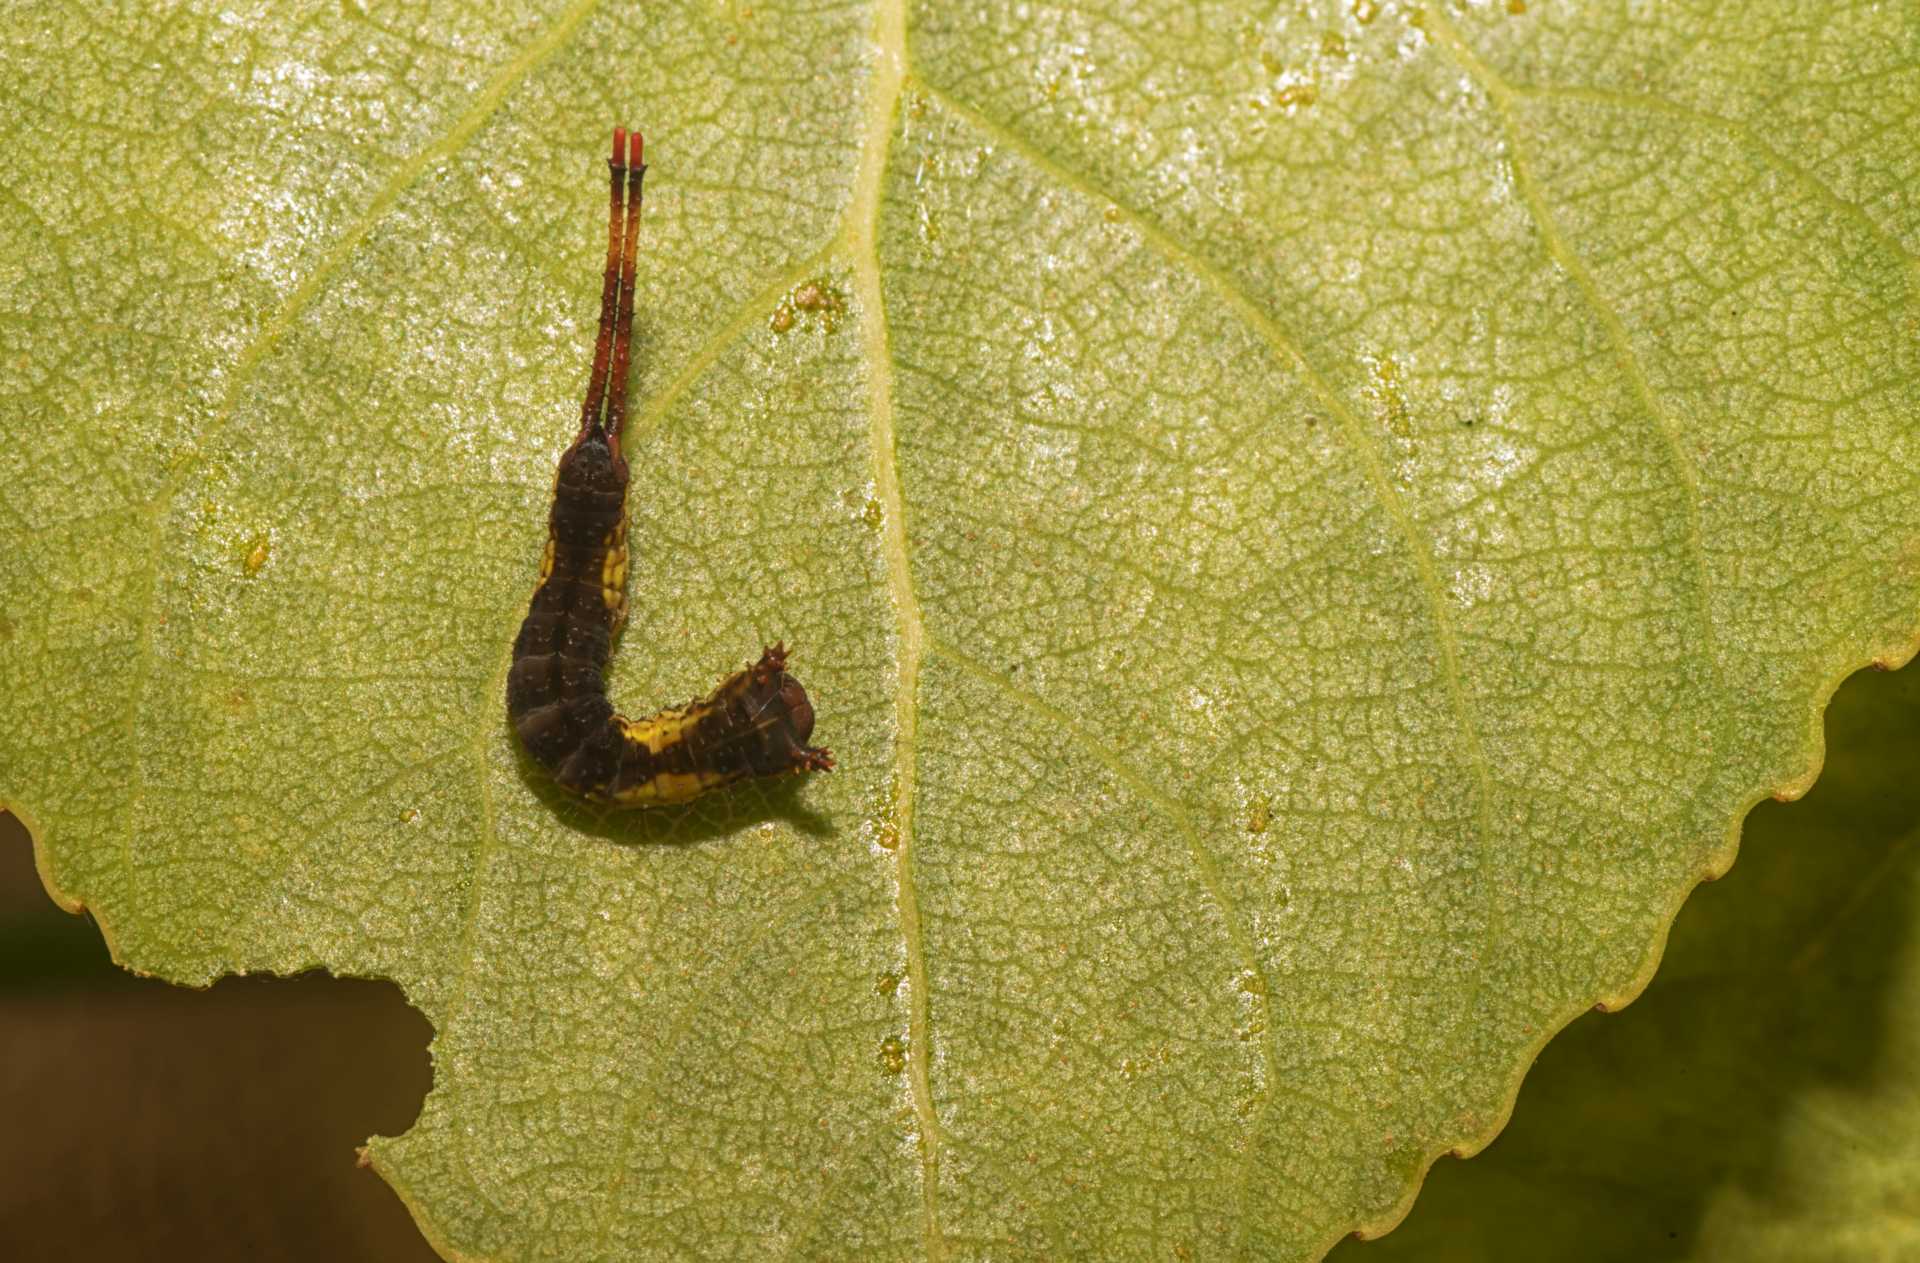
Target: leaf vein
{"points": [[1364, 448]]}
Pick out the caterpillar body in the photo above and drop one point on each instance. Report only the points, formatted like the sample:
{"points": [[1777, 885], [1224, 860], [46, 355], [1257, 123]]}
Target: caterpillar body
{"points": [[756, 723]]}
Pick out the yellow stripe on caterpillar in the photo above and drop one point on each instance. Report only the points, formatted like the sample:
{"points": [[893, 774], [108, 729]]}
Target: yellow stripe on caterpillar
{"points": [[613, 573], [663, 789], [662, 732]]}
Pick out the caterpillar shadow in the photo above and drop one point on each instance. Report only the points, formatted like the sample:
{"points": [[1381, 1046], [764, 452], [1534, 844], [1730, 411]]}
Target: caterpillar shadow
{"points": [[711, 817]]}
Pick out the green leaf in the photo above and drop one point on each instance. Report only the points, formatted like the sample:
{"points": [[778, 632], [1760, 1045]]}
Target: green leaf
{"points": [[1306, 535]]}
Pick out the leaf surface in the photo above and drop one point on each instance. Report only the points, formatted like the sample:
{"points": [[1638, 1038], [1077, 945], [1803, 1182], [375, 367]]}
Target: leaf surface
{"points": [[1306, 535]]}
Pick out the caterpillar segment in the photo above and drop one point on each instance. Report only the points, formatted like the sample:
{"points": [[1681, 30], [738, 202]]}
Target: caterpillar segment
{"points": [[755, 724]]}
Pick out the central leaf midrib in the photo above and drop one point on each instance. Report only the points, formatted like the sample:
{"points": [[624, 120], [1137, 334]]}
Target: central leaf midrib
{"points": [[862, 236]]}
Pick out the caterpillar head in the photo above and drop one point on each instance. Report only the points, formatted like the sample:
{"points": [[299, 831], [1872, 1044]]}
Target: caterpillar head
{"points": [[782, 715]]}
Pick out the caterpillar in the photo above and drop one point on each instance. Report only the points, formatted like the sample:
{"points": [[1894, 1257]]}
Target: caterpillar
{"points": [[756, 723]]}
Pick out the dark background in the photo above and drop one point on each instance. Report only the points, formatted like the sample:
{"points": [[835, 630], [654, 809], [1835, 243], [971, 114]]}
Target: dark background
{"points": [[146, 1121]]}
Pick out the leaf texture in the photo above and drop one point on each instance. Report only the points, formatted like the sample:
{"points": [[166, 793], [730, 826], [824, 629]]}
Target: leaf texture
{"points": [[1307, 532]]}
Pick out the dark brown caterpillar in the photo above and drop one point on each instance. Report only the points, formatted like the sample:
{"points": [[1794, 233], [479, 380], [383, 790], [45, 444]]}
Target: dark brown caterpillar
{"points": [[755, 724]]}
